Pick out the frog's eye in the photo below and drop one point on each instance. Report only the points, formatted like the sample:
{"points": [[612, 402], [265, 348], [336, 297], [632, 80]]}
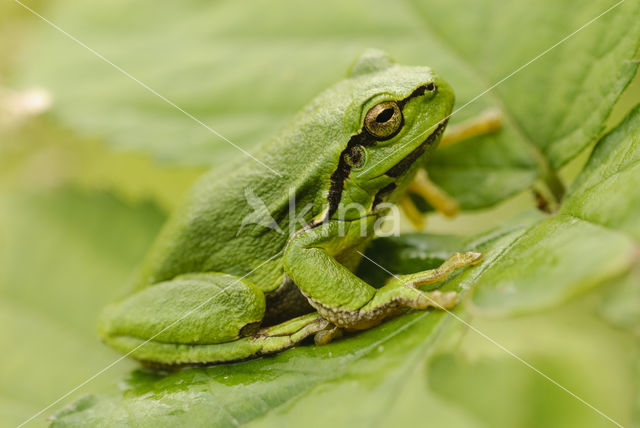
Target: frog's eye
{"points": [[384, 119], [355, 156]]}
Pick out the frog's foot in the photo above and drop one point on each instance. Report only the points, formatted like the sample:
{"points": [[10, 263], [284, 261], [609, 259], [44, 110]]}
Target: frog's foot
{"points": [[402, 292], [266, 341], [487, 122], [417, 299]]}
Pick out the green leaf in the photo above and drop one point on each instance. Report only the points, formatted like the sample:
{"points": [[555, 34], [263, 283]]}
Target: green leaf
{"points": [[41, 154], [621, 305], [62, 255], [612, 175], [565, 343], [593, 238], [245, 70]]}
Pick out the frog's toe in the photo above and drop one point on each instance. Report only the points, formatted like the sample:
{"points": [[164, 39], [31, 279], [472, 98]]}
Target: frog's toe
{"points": [[441, 300], [328, 335], [430, 299]]}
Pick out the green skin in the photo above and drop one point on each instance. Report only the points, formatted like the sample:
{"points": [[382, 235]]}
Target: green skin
{"points": [[215, 289]]}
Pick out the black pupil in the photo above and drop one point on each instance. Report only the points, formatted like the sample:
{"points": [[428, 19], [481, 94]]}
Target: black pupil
{"points": [[431, 87], [385, 115]]}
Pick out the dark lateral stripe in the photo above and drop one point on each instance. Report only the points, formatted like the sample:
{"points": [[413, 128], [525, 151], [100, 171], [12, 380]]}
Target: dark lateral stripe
{"points": [[383, 192], [342, 171]]}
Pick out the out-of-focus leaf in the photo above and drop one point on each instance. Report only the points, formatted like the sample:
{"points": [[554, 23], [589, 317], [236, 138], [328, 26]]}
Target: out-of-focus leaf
{"points": [[594, 237], [62, 255], [243, 70], [41, 155], [564, 343], [606, 192], [621, 305], [552, 261]]}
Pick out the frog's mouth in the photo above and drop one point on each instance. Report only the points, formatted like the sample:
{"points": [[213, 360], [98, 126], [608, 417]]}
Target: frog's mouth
{"points": [[405, 163]]}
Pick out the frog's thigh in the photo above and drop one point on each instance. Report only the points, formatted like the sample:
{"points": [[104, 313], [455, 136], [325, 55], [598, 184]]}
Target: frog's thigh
{"points": [[170, 320]]}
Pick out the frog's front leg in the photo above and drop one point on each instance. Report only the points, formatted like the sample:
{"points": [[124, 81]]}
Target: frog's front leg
{"points": [[202, 318], [344, 299]]}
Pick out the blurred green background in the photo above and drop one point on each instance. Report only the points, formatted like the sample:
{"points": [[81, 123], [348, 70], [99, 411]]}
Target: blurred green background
{"points": [[91, 164]]}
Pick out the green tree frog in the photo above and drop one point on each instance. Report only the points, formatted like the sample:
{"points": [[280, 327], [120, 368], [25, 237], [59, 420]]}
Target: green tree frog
{"points": [[220, 285]]}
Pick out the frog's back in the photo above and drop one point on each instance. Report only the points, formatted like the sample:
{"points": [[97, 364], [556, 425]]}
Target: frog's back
{"points": [[220, 228]]}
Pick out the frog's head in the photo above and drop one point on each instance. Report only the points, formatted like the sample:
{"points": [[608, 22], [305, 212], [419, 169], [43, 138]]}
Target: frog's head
{"points": [[397, 116]]}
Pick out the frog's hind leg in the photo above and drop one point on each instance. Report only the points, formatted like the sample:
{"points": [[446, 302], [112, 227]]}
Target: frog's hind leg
{"points": [[199, 319], [266, 341], [192, 319]]}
